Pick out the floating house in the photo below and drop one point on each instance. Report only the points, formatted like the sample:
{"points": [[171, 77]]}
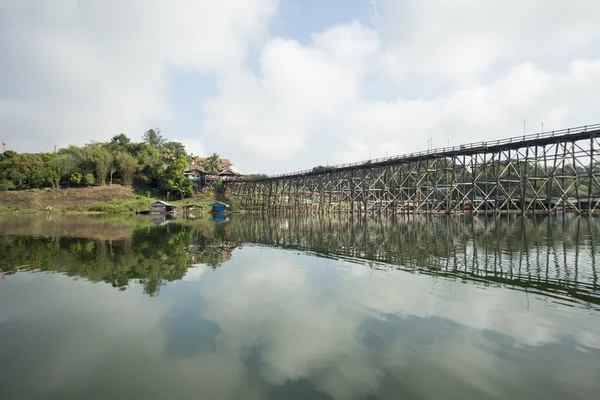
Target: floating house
{"points": [[218, 207], [187, 210], [162, 207]]}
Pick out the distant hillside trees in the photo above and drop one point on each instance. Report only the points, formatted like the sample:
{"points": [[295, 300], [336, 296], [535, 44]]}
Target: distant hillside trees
{"points": [[154, 162]]}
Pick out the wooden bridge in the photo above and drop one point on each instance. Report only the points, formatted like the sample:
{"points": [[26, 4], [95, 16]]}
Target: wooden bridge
{"points": [[542, 173]]}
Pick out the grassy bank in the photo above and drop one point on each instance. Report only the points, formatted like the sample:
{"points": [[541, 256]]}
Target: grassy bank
{"points": [[71, 200], [106, 199]]}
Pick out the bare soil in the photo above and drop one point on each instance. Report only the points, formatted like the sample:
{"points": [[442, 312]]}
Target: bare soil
{"points": [[76, 199]]}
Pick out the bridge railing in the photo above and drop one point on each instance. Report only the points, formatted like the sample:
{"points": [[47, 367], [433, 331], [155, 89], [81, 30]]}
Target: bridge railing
{"points": [[451, 149]]}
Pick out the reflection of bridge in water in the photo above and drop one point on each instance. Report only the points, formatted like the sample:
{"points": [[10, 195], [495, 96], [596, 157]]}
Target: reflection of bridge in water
{"points": [[556, 257], [542, 173]]}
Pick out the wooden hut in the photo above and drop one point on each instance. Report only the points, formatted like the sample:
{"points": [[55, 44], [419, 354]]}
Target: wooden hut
{"points": [[162, 207], [218, 207]]}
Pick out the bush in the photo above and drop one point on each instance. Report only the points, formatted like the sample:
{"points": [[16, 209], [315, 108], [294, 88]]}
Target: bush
{"points": [[88, 179], [6, 185], [122, 206], [76, 177], [219, 188]]}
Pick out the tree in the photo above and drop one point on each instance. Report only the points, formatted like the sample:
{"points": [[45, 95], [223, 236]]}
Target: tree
{"points": [[180, 188], [127, 166], [150, 162], [174, 173], [174, 149], [7, 155], [113, 167], [49, 173], [253, 177], [212, 163], [65, 163], [321, 168], [120, 142], [154, 138], [6, 184], [76, 177], [219, 188], [102, 160], [88, 179], [28, 164], [8, 171]]}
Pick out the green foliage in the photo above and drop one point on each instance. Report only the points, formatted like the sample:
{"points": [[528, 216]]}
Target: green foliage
{"points": [[122, 206], [154, 138], [321, 168], [150, 256], [120, 141], [128, 164], [88, 179], [174, 149], [64, 163], [76, 177], [212, 163], [6, 184], [253, 177], [183, 187], [173, 175], [101, 159], [219, 187], [156, 164]]}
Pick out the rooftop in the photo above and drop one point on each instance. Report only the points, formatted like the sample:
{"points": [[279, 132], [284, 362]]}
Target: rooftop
{"points": [[164, 203], [219, 203]]}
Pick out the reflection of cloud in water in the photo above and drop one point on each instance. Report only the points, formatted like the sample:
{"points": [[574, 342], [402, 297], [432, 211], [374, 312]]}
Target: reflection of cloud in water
{"points": [[188, 334], [340, 344], [306, 337], [287, 325], [195, 272]]}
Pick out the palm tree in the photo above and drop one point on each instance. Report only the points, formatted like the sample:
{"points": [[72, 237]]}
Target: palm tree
{"points": [[178, 187], [212, 163]]}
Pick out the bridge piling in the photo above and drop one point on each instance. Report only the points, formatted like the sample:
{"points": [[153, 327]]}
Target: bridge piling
{"points": [[543, 173]]}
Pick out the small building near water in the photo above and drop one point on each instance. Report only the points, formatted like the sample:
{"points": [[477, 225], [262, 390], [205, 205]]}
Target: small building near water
{"points": [[162, 207], [218, 207]]}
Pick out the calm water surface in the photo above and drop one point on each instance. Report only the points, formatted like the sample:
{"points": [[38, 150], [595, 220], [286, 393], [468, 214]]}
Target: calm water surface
{"points": [[257, 307]]}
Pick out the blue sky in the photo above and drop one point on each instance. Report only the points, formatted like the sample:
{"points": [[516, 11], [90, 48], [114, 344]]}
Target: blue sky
{"points": [[300, 19], [296, 20], [277, 85]]}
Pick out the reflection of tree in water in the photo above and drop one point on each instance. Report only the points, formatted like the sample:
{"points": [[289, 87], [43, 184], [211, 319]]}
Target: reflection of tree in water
{"points": [[554, 256], [152, 256], [211, 246]]}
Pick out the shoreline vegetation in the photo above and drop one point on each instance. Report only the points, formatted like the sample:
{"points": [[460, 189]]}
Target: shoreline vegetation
{"points": [[100, 199], [117, 176]]}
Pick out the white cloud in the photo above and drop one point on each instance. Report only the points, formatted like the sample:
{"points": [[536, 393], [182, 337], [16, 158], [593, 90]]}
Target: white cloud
{"points": [[454, 71], [460, 40], [476, 113], [75, 71], [356, 89], [300, 91]]}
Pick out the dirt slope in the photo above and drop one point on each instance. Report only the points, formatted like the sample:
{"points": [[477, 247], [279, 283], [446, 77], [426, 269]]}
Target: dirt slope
{"points": [[80, 199]]}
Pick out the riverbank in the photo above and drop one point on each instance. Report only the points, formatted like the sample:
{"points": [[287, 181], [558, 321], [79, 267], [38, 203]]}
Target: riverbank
{"points": [[106, 199]]}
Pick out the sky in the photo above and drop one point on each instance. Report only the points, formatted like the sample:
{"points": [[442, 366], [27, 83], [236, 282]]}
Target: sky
{"points": [[282, 85]]}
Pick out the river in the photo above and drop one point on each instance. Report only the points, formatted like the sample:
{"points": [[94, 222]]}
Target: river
{"points": [[295, 307]]}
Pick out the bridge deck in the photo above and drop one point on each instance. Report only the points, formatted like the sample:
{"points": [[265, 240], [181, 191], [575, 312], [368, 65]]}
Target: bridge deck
{"points": [[538, 139], [541, 173]]}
